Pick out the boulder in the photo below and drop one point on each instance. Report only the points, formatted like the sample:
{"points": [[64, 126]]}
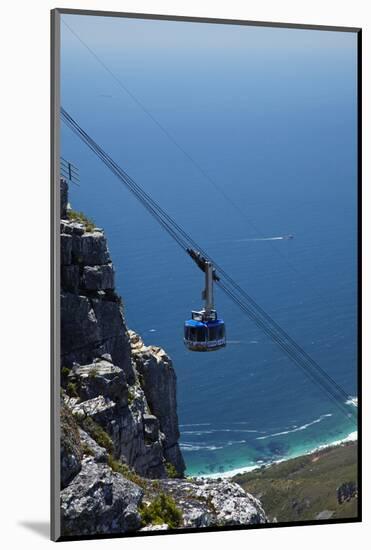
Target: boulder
{"points": [[88, 444], [101, 378], [211, 503], [99, 501], [100, 409]]}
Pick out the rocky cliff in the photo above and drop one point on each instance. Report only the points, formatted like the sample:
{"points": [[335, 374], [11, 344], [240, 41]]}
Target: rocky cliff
{"points": [[121, 465]]}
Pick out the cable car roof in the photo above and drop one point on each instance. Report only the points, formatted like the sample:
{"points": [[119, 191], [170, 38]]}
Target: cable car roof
{"points": [[193, 323]]}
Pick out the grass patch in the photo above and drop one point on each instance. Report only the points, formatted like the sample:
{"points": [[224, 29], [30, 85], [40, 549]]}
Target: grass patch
{"points": [[96, 432], [162, 509], [70, 437], [126, 472], [86, 450], [171, 471], [301, 488], [80, 217]]}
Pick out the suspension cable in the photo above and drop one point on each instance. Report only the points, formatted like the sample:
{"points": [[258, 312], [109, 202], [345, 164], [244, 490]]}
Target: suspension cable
{"points": [[232, 289]]}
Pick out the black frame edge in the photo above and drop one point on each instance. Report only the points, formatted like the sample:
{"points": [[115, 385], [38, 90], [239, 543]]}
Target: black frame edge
{"points": [[196, 19]]}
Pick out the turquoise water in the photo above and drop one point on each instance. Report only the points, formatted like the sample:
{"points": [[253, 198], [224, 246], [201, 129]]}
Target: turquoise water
{"points": [[270, 114]]}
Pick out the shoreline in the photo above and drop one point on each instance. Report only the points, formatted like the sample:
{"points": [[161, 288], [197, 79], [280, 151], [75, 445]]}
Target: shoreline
{"points": [[353, 436]]}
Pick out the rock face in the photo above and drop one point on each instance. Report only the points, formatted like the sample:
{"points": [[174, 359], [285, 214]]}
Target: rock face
{"points": [[96, 350], [71, 450], [119, 424], [159, 385], [211, 503], [98, 501]]}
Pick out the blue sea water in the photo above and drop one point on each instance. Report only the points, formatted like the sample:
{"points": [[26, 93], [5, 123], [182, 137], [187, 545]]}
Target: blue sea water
{"points": [[270, 115]]}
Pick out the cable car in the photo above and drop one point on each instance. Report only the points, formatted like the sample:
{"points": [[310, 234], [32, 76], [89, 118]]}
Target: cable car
{"points": [[205, 331]]}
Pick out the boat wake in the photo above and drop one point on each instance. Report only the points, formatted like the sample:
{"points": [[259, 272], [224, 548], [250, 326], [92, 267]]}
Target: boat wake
{"points": [[256, 239]]}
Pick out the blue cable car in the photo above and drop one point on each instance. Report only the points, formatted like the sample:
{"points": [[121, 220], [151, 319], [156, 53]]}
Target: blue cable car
{"points": [[205, 331]]}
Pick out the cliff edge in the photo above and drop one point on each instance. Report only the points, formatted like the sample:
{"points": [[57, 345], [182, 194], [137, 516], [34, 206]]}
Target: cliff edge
{"points": [[121, 466]]}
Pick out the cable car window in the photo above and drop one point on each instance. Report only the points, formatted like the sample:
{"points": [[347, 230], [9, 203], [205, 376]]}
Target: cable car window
{"points": [[213, 333], [193, 334], [200, 336]]}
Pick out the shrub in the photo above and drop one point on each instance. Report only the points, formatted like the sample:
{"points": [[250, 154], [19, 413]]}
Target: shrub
{"points": [[171, 470], [70, 437], [126, 472], [80, 217], [97, 433], [86, 450], [65, 372], [72, 389], [162, 509]]}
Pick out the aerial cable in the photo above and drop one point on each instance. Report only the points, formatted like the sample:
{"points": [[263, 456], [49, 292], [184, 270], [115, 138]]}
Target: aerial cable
{"points": [[171, 138], [313, 376], [185, 241]]}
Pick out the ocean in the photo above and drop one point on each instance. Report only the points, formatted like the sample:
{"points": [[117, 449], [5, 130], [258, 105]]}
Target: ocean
{"points": [[270, 116]]}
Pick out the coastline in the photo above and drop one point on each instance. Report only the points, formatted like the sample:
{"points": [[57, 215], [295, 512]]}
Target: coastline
{"points": [[353, 436]]}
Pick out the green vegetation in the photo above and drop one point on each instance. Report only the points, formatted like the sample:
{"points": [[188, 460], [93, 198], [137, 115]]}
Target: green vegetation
{"points": [[303, 487], [86, 450], [131, 394], [126, 472], [71, 389], [65, 372], [96, 432], [70, 437], [93, 372], [161, 510], [80, 217], [171, 470]]}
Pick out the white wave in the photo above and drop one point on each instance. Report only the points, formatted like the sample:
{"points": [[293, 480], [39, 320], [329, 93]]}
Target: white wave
{"points": [[298, 429], [200, 424], [205, 447], [353, 436], [223, 430], [352, 401], [188, 447], [250, 467], [197, 432], [230, 473]]}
